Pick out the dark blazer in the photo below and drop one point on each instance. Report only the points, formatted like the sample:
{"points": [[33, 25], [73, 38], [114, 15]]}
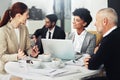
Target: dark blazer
{"points": [[108, 54], [41, 33], [58, 33]]}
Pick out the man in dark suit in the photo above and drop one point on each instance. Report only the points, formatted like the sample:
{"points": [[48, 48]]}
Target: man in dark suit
{"points": [[49, 31], [108, 53]]}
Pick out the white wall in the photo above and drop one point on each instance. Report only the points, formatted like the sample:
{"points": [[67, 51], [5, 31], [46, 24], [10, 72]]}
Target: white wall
{"points": [[92, 5], [46, 5], [4, 4], [33, 25]]}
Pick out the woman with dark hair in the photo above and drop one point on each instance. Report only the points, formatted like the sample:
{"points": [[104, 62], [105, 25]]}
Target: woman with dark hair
{"points": [[14, 36], [83, 41]]}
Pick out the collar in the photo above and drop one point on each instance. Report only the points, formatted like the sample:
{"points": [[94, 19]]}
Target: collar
{"points": [[10, 26], [52, 30], [83, 32], [109, 31]]}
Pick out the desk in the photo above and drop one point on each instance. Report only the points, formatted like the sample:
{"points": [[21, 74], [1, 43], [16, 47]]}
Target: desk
{"points": [[14, 68]]}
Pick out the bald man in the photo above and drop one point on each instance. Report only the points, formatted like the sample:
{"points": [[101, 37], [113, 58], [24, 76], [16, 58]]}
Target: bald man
{"points": [[108, 53]]}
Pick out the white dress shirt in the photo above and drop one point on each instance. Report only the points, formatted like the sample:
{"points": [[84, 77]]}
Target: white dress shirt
{"points": [[109, 31], [52, 31], [78, 41]]}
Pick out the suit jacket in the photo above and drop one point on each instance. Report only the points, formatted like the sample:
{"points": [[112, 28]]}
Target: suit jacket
{"points": [[89, 43], [41, 33], [9, 44], [108, 54], [58, 33]]}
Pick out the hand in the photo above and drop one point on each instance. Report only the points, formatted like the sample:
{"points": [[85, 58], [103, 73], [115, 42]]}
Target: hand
{"points": [[86, 61], [21, 54], [35, 51]]}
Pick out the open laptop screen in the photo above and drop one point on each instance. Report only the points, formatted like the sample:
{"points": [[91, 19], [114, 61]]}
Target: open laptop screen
{"points": [[59, 48]]}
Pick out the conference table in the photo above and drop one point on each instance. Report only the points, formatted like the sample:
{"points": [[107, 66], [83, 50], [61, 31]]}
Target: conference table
{"points": [[68, 72]]}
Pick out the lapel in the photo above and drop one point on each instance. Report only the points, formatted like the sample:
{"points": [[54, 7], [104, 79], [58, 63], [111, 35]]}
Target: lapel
{"points": [[54, 33], [85, 43], [73, 37], [44, 32], [13, 36], [21, 37]]}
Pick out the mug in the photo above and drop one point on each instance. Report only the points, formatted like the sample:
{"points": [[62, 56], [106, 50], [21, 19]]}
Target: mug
{"points": [[56, 62], [45, 57]]}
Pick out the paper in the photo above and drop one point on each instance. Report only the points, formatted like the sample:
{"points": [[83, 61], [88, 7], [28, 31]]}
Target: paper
{"points": [[54, 72], [42, 71], [67, 72]]}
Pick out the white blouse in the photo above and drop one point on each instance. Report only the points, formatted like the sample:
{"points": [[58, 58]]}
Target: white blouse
{"points": [[17, 34], [78, 41]]}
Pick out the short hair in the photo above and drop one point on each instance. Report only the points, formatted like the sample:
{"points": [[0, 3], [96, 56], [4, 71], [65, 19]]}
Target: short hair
{"points": [[52, 18], [84, 14], [110, 13]]}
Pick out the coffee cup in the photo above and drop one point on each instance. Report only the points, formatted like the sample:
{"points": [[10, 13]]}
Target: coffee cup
{"points": [[22, 63], [45, 57], [40, 56], [35, 63], [56, 62]]}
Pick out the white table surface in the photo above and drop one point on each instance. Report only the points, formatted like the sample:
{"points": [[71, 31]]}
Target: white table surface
{"points": [[14, 68]]}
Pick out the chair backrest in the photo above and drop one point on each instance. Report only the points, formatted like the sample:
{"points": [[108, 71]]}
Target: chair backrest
{"points": [[98, 37]]}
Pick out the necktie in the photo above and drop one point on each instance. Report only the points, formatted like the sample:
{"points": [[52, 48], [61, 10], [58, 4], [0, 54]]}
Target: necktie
{"points": [[49, 37]]}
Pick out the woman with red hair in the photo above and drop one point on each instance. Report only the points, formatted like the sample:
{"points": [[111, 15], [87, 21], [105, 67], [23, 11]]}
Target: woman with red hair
{"points": [[14, 36]]}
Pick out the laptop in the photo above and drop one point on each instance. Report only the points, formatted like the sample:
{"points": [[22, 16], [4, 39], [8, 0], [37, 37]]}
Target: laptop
{"points": [[59, 48]]}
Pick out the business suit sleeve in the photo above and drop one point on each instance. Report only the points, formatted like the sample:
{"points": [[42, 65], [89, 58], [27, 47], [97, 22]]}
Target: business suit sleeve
{"points": [[39, 32], [101, 56], [27, 43], [59, 33], [62, 36], [4, 55], [92, 44]]}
